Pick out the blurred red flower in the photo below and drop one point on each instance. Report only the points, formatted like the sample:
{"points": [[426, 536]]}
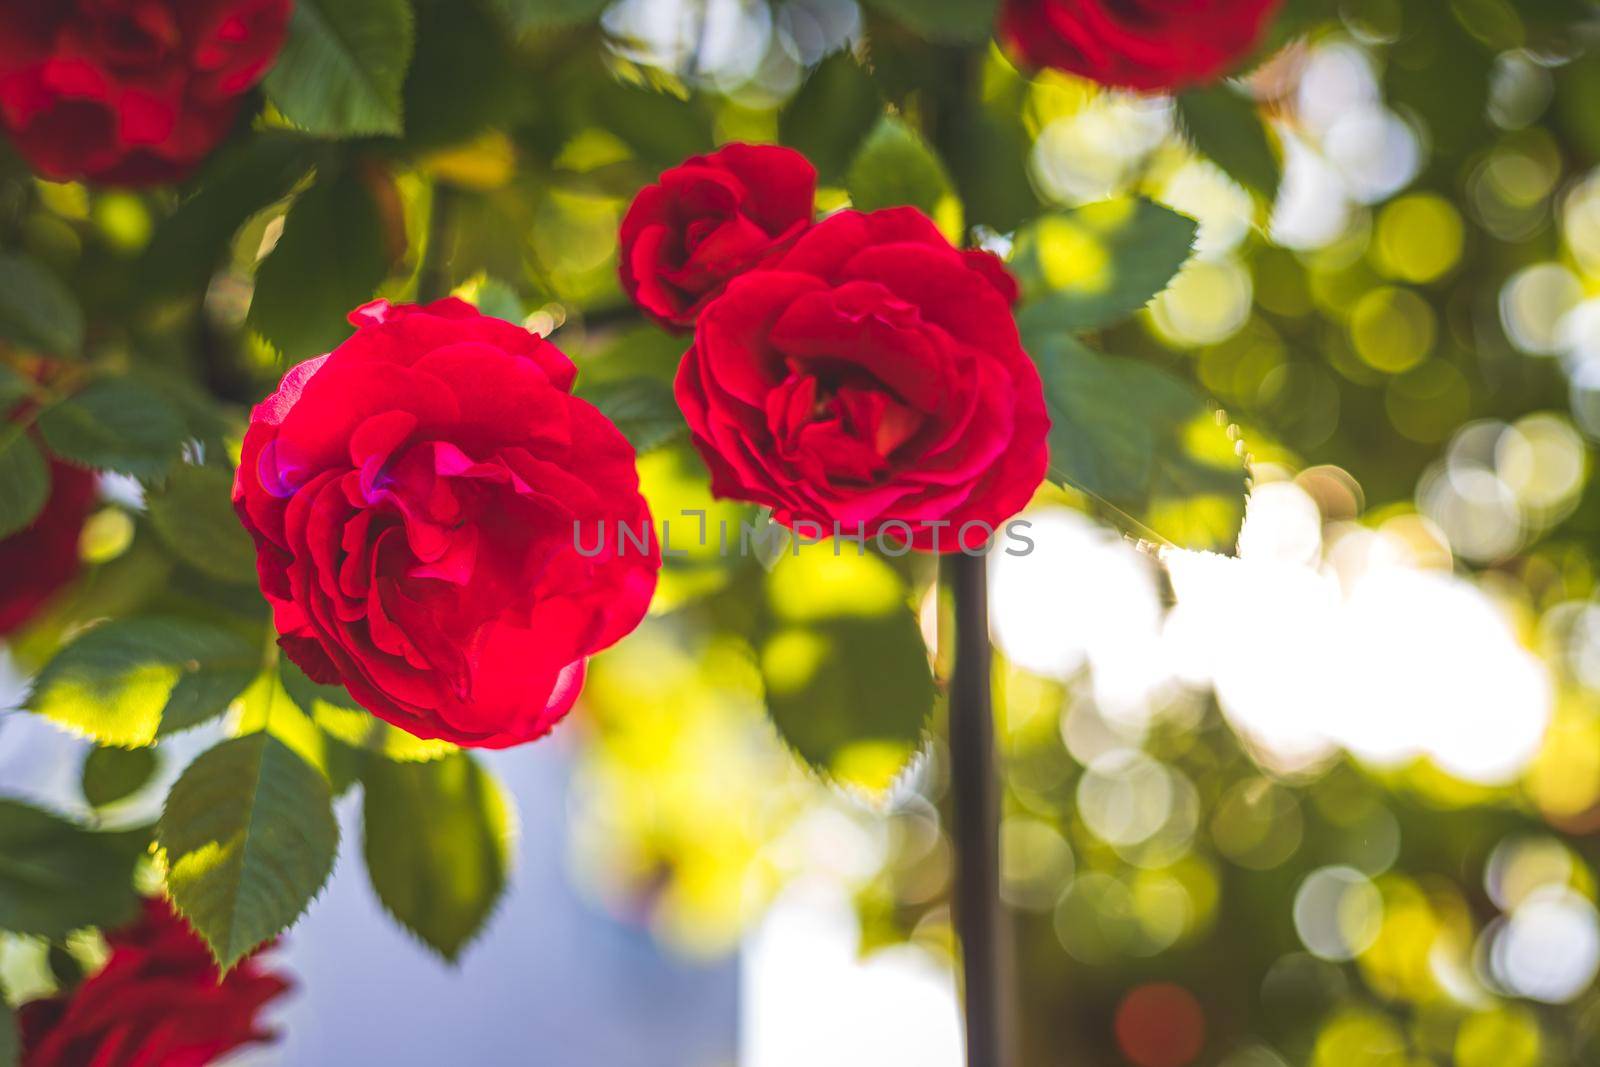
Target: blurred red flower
{"points": [[129, 92], [43, 556], [158, 1002], [1150, 45]]}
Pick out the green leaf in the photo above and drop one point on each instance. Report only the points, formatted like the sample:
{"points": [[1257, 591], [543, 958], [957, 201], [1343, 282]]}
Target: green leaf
{"points": [[250, 839], [36, 310], [13, 388], [24, 480], [991, 171], [240, 180], [113, 774], [501, 300], [831, 114], [465, 77], [438, 846], [526, 15], [338, 715], [116, 424], [952, 21], [1143, 440], [894, 167], [193, 513], [56, 876], [330, 258], [1226, 126], [341, 69], [850, 694], [644, 409], [848, 682], [659, 127], [1089, 268], [10, 1040], [1101, 439], [130, 681]]}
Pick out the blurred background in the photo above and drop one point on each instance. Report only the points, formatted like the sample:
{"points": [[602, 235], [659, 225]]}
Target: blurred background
{"points": [[1329, 802]]}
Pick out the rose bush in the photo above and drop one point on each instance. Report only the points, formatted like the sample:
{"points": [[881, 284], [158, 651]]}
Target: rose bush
{"points": [[413, 498], [709, 220], [1150, 45], [158, 1002], [872, 377], [129, 91]]}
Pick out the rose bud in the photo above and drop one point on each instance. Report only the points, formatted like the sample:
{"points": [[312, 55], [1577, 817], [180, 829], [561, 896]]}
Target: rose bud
{"points": [[158, 1000], [871, 377], [708, 221], [418, 498], [1149, 45], [129, 92]]}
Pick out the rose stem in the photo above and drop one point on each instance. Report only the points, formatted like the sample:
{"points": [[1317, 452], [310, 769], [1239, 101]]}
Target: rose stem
{"points": [[433, 277], [975, 789], [974, 778]]}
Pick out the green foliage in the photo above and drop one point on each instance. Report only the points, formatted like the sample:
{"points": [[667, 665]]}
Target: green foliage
{"points": [[113, 774], [526, 15], [497, 298], [13, 388], [660, 128], [193, 514], [437, 846], [340, 71], [847, 678], [1126, 432], [130, 681], [991, 170], [56, 876], [10, 1040], [239, 181], [643, 409], [463, 77], [1226, 126], [1086, 269], [36, 310], [118, 424], [894, 166], [843, 689], [329, 260], [249, 838], [337, 714], [24, 480], [835, 109], [957, 21]]}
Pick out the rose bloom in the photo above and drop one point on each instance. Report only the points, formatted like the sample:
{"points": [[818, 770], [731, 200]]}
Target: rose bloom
{"points": [[871, 377], [158, 1002], [709, 220], [41, 558], [129, 92], [1150, 45], [415, 498]]}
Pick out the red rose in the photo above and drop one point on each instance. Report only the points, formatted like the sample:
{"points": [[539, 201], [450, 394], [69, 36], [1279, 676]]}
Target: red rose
{"points": [[710, 220], [1151, 45], [415, 499], [872, 377], [129, 91], [158, 1002], [41, 558]]}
